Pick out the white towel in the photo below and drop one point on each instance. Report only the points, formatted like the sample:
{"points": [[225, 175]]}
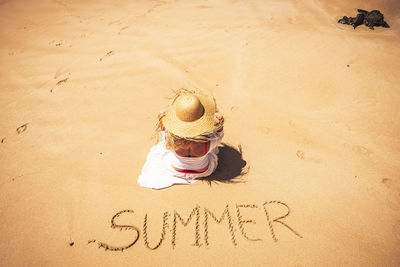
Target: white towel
{"points": [[158, 172]]}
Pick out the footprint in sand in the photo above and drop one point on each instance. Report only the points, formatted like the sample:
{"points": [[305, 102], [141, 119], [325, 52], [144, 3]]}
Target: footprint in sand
{"points": [[3, 140], [359, 149], [387, 182], [266, 130], [300, 154], [392, 185], [22, 128], [123, 28], [362, 150], [53, 42], [301, 135], [60, 82], [109, 53]]}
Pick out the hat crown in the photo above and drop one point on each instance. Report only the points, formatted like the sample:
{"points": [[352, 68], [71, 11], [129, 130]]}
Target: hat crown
{"points": [[189, 108]]}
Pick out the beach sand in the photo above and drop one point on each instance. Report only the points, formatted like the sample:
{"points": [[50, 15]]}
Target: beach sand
{"points": [[313, 105]]}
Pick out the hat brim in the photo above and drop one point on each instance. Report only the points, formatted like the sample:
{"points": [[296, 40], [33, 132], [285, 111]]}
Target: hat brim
{"points": [[193, 129]]}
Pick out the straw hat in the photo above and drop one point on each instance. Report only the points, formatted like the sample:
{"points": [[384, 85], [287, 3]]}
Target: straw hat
{"points": [[190, 115]]}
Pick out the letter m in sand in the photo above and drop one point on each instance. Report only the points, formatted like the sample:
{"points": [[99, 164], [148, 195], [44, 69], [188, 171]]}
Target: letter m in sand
{"points": [[225, 213], [195, 211]]}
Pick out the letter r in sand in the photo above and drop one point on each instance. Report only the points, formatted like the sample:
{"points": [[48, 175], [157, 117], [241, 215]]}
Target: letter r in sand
{"points": [[278, 219]]}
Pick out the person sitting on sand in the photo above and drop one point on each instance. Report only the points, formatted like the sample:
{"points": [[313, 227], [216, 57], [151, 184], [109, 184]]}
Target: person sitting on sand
{"points": [[191, 130]]}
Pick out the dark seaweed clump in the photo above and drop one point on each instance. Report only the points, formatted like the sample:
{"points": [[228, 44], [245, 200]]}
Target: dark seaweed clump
{"points": [[369, 19]]}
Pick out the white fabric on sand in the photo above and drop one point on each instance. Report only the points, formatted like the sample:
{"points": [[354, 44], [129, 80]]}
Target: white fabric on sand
{"points": [[158, 171]]}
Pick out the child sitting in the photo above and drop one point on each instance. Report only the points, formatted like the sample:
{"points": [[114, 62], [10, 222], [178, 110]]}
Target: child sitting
{"points": [[191, 130]]}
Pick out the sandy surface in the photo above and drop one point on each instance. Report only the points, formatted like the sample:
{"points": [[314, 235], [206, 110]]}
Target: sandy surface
{"points": [[314, 105]]}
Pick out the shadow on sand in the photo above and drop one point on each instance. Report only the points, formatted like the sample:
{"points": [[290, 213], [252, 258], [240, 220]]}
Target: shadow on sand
{"points": [[231, 166]]}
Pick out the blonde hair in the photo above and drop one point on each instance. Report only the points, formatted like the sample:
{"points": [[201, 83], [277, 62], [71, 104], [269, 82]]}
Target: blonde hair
{"points": [[174, 142]]}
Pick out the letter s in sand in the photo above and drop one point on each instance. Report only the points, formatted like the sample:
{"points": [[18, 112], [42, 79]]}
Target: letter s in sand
{"points": [[125, 227]]}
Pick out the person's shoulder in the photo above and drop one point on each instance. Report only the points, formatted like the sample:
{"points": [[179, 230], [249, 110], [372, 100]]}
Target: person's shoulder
{"points": [[217, 134]]}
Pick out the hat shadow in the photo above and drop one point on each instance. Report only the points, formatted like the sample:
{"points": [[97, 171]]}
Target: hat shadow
{"points": [[231, 166]]}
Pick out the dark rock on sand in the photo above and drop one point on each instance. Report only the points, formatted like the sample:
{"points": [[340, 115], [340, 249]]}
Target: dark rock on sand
{"points": [[369, 19]]}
